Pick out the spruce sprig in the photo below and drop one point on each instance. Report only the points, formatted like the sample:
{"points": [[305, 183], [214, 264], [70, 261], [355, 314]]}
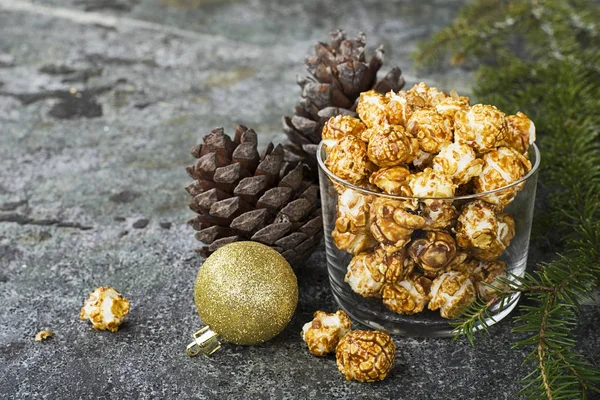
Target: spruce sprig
{"points": [[535, 57]]}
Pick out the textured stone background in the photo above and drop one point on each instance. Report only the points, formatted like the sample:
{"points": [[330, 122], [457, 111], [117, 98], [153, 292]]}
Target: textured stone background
{"points": [[78, 177]]}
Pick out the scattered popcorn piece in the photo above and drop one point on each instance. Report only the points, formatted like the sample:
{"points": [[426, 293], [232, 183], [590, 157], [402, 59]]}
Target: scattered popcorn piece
{"points": [[488, 272], [430, 128], [501, 167], [339, 127], [451, 292], [43, 335], [438, 214], [458, 161], [483, 127], [372, 108], [390, 146], [520, 134], [391, 180], [105, 308], [430, 183], [324, 332], [392, 221], [366, 356], [348, 160], [363, 275], [409, 296]]}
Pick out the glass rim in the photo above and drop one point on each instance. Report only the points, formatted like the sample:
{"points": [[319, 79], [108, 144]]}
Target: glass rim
{"points": [[532, 171]]}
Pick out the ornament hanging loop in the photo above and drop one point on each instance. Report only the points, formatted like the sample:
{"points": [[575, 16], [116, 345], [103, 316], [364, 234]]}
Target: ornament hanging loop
{"points": [[205, 341]]}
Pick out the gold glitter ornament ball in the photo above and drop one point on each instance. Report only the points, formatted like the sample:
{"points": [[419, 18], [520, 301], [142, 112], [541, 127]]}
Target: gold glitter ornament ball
{"points": [[246, 292]]}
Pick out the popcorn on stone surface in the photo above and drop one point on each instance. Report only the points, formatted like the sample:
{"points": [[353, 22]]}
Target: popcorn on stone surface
{"points": [[451, 292], [501, 167], [348, 160], [433, 252], [488, 272], [430, 128], [105, 308], [458, 161], [393, 221], [409, 296], [430, 183], [520, 132], [482, 127], [339, 127], [363, 275], [324, 332], [390, 146], [43, 335], [391, 180], [366, 356], [372, 108]]}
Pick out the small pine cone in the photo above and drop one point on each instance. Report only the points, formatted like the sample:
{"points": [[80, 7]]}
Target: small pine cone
{"points": [[339, 73], [366, 356], [240, 194]]}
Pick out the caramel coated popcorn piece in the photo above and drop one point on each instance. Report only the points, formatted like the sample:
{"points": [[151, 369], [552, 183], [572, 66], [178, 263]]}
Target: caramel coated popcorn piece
{"points": [[430, 128], [391, 180], [366, 356], [433, 252], [105, 308], [520, 133], [390, 146], [488, 272], [43, 335], [431, 95], [324, 332], [458, 161], [451, 292], [438, 214], [422, 160], [401, 105], [372, 108], [505, 232], [348, 160], [351, 230], [482, 127], [409, 296], [363, 275], [430, 183], [393, 221], [501, 167], [448, 106], [339, 127], [394, 263]]}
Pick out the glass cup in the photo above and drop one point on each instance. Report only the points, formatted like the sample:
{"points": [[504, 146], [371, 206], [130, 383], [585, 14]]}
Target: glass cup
{"points": [[369, 310]]}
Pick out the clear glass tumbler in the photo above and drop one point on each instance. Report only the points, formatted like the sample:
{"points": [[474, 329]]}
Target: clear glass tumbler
{"points": [[370, 310]]}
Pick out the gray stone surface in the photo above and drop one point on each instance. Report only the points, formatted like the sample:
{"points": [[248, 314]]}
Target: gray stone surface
{"points": [[77, 177]]}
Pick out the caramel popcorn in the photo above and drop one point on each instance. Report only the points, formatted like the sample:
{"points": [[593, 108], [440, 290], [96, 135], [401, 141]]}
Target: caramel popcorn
{"points": [[391, 221], [366, 356], [394, 263], [451, 292], [324, 332], [505, 231], [520, 133], [372, 108], [448, 106], [105, 308], [488, 272], [483, 127], [430, 183], [501, 167], [438, 214], [341, 126], [43, 335], [422, 160], [431, 95], [348, 160], [363, 275], [431, 129], [391, 180], [458, 161], [390, 145], [350, 232], [477, 226], [433, 252], [409, 296], [400, 106], [462, 263]]}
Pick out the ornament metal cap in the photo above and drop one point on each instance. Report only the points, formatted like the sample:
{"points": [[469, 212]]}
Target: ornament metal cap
{"points": [[205, 341]]}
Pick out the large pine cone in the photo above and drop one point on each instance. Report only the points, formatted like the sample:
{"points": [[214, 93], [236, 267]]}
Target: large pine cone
{"points": [[339, 74], [241, 195]]}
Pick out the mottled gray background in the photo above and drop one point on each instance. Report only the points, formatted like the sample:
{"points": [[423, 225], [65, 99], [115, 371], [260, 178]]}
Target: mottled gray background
{"points": [[91, 194]]}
